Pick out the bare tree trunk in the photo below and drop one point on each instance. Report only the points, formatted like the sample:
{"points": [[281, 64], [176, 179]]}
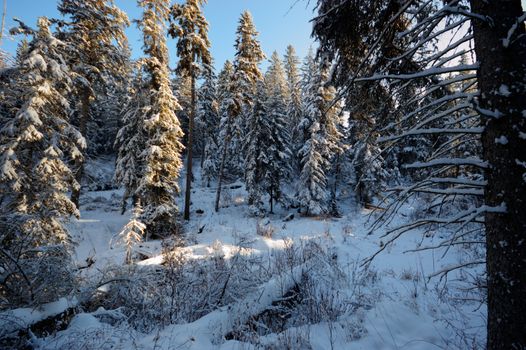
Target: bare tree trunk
{"points": [[203, 154], [228, 137], [83, 128], [271, 199], [189, 155], [500, 45]]}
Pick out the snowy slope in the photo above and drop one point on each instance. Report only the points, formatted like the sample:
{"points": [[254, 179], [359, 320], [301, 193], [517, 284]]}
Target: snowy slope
{"points": [[389, 304]]}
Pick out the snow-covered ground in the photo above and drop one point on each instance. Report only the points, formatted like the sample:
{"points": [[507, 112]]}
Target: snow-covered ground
{"points": [[389, 304]]}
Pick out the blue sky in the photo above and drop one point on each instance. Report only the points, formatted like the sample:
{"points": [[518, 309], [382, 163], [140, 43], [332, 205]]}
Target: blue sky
{"points": [[278, 24]]}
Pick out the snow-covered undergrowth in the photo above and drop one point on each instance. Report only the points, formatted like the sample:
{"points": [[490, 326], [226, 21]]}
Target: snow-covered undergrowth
{"points": [[238, 282]]}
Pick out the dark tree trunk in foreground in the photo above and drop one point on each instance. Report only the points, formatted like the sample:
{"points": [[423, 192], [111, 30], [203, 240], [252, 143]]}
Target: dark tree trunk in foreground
{"points": [[501, 79], [189, 156], [83, 129]]}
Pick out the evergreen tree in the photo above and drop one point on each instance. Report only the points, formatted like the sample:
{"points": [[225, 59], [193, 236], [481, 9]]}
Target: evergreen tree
{"points": [[294, 101], [162, 150], [321, 134], [95, 29], [224, 95], [191, 28], [224, 79], [267, 142], [254, 149], [242, 89], [132, 233], [489, 206], [208, 123], [182, 88], [277, 165], [38, 141], [131, 139]]}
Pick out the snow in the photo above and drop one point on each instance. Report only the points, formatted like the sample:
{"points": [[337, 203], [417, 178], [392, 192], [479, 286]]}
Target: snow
{"points": [[14, 320], [399, 308], [504, 90], [503, 140]]}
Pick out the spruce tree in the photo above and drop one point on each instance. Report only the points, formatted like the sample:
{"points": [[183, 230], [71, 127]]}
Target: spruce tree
{"points": [[37, 142], [162, 150], [321, 134], [132, 233], [267, 159], [254, 149], [242, 89], [208, 123], [131, 139], [95, 29], [191, 29], [224, 96], [277, 141], [294, 101]]}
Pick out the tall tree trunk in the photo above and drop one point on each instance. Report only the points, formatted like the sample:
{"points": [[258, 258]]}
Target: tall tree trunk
{"points": [[203, 148], [271, 199], [502, 84], [83, 128], [189, 156], [228, 137]]}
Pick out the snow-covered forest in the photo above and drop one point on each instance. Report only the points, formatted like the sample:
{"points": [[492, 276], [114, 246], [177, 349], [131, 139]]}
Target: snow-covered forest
{"points": [[367, 196]]}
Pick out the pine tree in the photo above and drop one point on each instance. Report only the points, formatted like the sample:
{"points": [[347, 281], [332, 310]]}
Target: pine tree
{"points": [[95, 29], [191, 28], [321, 134], [208, 123], [38, 141], [162, 150], [242, 89]]}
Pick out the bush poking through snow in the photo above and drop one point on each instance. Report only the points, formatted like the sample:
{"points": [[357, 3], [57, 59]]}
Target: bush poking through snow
{"points": [[263, 230], [29, 275]]}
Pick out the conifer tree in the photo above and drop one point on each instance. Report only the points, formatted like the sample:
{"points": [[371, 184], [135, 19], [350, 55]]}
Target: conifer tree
{"points": [[131, 139], [95, 29], [267, 141], [254, 149], [132, 233], [321, 134], [162, 150], [277, 141], [224, 79], [191, 28], [293, 99], [37, 142], [208, 123], [242, 89], [224, 96]]}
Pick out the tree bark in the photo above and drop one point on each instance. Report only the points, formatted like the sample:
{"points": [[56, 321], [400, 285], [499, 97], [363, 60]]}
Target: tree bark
{"points": [[501, 80], [83, 128], [271, 200], [189, 155]]}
